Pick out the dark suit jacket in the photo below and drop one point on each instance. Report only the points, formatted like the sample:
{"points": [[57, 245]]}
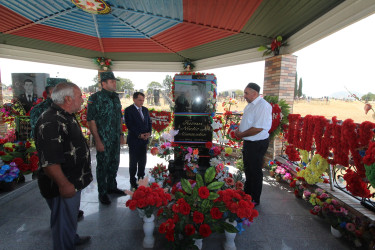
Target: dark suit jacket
{"points": [[25, 103], [136, 125]]}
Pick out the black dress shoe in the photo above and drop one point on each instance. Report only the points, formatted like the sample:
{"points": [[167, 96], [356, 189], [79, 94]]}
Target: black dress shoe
{"points": [[104, 199], [116, 191], [134, 186], [83, 240], [80, 215]]}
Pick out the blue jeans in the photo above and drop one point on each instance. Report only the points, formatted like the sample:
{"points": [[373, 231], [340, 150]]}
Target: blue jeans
{"points": [[64, 215]]}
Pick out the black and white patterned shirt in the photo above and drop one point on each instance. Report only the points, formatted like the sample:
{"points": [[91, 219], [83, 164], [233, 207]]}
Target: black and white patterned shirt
{"points": [[59, 140]]}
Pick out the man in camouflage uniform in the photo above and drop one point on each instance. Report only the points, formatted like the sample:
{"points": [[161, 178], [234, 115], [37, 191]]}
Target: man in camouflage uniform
{"points": [[43, 106], [105, 122]]}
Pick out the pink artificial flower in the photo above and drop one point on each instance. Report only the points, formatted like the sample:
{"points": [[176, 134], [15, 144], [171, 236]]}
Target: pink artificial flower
{"points": [[350, 227]]}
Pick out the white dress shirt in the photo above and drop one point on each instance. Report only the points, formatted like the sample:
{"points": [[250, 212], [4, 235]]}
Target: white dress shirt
{"points": [[257, 114]]}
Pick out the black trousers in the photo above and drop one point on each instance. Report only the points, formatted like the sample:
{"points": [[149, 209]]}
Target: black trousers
{"points": [[253, 159], [137, 161]]}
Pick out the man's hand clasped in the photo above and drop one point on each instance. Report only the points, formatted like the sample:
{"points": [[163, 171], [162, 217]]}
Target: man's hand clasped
{"points": [[145, 136]]}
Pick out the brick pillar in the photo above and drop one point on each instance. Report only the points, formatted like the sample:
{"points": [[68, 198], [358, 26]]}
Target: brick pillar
{"points": [[279, 80]]}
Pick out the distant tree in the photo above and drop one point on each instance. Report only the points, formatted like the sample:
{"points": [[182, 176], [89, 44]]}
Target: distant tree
{"points": [[238, 92], [300, 88], [225, 93], [167, 83], [154, 85], [124, 83], [296, 86], [368, 97]]}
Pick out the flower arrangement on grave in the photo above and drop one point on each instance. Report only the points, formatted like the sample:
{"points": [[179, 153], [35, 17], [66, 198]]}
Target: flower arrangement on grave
{"points": [[9, 111], [272, 166], [314, 172], [233, 181], [160, 119], [147, 198], [166, 149], [197, 212], [9, 173], [103, 63], [22, 154], [299, 185], [274, 48], [238, 204], [159, 174], [191, 160]]}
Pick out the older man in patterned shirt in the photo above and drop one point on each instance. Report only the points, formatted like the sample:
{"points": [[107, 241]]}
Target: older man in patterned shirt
{"points": [[65, 164]]}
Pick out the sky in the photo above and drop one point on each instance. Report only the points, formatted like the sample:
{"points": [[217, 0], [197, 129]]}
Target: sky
{"points": [[343, 59]]}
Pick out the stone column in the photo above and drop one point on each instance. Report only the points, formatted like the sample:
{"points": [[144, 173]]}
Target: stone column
{"points": [[279, 80]]}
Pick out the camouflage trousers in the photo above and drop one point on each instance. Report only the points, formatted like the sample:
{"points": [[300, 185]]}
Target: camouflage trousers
{"points": [[107, 167]]}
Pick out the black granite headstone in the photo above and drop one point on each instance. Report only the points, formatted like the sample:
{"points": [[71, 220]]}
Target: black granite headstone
{"points": [[194, 105]]}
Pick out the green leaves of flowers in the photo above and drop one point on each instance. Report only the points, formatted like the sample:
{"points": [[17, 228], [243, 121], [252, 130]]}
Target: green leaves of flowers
{"points": [[209, 175], [215, 185], [199, 180], [186, 186], [229, 228]]}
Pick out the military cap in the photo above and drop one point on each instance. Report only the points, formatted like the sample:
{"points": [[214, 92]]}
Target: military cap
{"points": [[108, 75], [52, 82]]}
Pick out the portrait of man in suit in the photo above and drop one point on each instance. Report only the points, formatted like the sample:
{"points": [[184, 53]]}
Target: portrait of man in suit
{"points": [[28, 97]]}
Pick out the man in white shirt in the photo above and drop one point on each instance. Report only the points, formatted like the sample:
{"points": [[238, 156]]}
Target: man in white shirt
{"points": [[255, 124]]}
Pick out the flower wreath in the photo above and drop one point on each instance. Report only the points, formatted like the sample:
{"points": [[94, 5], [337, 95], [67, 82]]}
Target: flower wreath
{"points": [[280, 112], [313, 172], [160, 119]]}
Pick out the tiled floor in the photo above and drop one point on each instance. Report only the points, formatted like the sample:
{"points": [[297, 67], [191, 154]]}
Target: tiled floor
{"points": [[284, 222]]}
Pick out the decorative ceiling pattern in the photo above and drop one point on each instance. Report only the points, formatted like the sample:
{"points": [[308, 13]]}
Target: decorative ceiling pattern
{"points": [[150, 30]]}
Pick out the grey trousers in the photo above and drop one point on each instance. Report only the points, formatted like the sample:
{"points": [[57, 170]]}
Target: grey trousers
{"points": [[64, 214]]}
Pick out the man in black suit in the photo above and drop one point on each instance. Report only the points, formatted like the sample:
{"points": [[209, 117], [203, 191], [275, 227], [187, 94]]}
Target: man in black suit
{"points": [[137, 119], [28, 98]]}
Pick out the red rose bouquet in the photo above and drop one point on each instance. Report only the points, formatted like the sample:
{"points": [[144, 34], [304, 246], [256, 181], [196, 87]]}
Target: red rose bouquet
{"points": [[194, 215], [160, 174], [148, 198], [238, 204]]}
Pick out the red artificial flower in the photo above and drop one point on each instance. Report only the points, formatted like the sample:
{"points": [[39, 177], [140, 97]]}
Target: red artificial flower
{"points": [[18, 161], [189, 229], [203, 192], [229, 181], [27, 144], [160, 211], [208, 145], [205, 230], [198, 217], [170, 235], [2, 153], [239, 185], [215, 213]]}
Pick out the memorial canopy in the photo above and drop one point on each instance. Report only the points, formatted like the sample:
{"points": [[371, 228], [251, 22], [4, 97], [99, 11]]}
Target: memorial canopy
{"points": [[152, 35]]}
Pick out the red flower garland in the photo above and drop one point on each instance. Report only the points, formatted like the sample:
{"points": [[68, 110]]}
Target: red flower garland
{"points": [[355, 184]]}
